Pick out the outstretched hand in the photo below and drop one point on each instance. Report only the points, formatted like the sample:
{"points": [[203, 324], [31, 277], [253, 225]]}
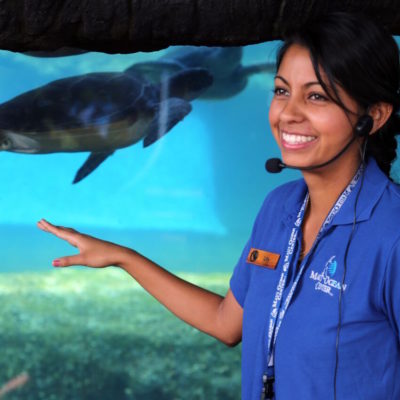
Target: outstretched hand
{"points": [[93, 252]]}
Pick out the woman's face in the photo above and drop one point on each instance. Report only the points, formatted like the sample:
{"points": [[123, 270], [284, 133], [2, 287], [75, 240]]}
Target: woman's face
{"points": [[308, 127]]}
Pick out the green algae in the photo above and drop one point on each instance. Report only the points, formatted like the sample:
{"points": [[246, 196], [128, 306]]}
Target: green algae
{"points": [[95, 334]]}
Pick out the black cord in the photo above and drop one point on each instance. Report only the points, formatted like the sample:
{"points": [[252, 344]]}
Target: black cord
{"points": [[362, 151]]}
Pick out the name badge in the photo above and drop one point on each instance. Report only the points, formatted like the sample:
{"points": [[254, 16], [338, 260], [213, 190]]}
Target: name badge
{"points": [[263, 258]]}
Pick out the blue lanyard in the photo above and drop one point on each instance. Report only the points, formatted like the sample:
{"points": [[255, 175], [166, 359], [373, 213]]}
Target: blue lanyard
{"points": [[278, 310]]}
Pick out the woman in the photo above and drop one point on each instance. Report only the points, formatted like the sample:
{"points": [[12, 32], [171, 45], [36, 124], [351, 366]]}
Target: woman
{"points": [[315, 296]]}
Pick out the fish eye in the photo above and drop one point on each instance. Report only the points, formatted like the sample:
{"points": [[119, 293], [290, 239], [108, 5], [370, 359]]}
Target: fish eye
{"points": [[5, 144]]}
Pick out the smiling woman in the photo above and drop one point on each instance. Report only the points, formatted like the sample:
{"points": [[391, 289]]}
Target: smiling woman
{"points": [[335, 119], [308, 126], [315, 296]]}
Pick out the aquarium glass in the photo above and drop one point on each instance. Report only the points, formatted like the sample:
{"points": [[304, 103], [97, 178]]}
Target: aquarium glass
{"points": [[187, 200]]}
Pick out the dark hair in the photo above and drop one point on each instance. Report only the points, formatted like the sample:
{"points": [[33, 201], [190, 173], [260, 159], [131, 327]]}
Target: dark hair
{"points": [[363, 59]]}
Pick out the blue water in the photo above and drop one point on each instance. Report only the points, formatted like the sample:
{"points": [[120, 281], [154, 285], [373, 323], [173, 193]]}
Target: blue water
{"points": [[188, 201]]}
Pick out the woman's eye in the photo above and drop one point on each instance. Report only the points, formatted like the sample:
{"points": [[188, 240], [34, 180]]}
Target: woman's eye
{"points": [[280, 92], [318, 96]]}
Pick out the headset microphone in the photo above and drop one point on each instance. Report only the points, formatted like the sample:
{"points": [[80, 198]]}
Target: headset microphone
{"points": [[362, 129]]}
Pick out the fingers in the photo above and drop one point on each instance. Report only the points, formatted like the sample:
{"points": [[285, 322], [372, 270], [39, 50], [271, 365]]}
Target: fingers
{"points": [[68, 261], [68, 234]]}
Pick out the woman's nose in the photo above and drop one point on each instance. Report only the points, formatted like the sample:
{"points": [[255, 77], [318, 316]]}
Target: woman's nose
{"points": [[292, 110]]}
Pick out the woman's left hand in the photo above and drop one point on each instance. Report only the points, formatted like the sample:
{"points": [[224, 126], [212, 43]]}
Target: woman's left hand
{"points": [[93, 252]]}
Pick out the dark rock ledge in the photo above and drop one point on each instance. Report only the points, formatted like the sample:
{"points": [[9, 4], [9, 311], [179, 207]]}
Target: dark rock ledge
{"points": [[125, 26]]}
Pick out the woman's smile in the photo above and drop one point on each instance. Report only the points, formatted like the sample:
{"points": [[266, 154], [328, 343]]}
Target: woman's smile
{"points": [[294, 140]]}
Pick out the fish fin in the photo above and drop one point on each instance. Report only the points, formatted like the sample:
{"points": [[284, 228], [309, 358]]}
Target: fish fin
{"points": [[188, 84], [170, 112], [91, 163]]}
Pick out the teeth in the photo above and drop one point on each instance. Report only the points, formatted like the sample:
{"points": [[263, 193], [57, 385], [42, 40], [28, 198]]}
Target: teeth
{"points": [[296, 139]]}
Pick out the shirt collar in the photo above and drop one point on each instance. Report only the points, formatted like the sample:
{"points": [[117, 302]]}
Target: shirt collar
{"points": [[375, 182]]}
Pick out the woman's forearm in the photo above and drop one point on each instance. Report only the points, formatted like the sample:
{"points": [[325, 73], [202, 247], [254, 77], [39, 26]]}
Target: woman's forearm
{"points": [[218, 316], [196, 306]]}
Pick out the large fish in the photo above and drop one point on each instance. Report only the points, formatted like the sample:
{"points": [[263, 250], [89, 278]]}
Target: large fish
{"points": [[98, 113]]}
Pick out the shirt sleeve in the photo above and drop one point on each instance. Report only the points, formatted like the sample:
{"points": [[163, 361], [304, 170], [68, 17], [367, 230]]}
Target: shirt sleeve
{"points": [[391, 288], [241, 276], [240, 279], [272, 206]]}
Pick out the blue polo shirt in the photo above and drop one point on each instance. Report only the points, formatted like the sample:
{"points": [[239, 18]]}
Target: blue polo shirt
{"points": [[369, 352]]}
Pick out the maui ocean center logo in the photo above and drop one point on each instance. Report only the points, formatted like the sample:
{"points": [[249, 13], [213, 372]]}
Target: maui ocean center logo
{"points": [[324, 280]]}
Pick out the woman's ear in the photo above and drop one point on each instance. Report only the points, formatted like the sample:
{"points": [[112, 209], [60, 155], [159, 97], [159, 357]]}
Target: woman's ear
{"points": [[380, 113]]}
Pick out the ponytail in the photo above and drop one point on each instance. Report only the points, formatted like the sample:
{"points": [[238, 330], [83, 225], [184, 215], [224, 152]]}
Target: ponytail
{"points": [[383, 144]]}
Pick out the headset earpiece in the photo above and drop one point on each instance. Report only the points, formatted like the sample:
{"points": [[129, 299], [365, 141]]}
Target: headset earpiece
{"points": [[364, 126]]}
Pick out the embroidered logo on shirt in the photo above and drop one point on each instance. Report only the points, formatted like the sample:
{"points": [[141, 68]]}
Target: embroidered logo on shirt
{"points": [[263, 258], [324, 280]]}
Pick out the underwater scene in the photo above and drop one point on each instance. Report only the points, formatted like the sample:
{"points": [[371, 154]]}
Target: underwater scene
{"points": [[161, 152]]}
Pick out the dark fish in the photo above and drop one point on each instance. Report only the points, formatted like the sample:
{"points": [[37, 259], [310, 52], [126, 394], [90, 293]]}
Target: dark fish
{"points": [[98, 113]]}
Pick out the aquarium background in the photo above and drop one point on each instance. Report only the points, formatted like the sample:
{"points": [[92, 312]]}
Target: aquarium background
{"points": [[187, 202]]}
